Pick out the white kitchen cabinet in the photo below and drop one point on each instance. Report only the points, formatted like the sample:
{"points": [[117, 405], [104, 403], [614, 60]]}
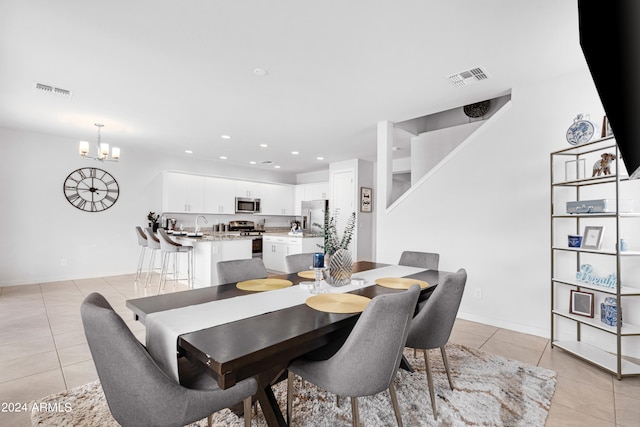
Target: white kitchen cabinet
{"points": [[219, 195], [182, 192], [207, 254], [311, 244], [189, 193], [317, 190], [312, 191], [276, 199], [276, 248], [248, 189]]}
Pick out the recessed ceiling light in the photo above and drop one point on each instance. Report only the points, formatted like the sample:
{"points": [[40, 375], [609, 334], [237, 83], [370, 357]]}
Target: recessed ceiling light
{"points": [[188, 151], [252, 162], [223, 157], [260, 72], [263, 145], [295, 152], [320, 158], [225, 136], [277, 166]]}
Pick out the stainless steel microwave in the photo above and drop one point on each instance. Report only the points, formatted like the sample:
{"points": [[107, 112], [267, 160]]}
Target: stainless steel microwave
{"points": [[245, 205]]}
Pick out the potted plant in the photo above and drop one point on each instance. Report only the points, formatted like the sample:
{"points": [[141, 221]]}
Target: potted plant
{"points": [[336, 249], [332, 241], [153, 220]]}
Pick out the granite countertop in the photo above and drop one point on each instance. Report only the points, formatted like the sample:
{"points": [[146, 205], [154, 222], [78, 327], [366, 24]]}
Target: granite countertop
{"points": [[219, 237], [215, 237], [286, 234], [208, 235]]}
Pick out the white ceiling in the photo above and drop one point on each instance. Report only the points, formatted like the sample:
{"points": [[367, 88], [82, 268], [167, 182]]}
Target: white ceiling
{"points": [[175, 75]]}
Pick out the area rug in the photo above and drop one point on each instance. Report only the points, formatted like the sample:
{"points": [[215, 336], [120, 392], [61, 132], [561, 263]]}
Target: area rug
{"points": [[490, 391]]}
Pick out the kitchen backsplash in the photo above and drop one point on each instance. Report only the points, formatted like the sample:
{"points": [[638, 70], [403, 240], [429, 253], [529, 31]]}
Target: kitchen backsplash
{"points": [[272, 224]]}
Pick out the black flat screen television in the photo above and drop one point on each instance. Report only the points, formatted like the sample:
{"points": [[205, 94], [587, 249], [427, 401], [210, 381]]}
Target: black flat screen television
{"points": [[610, 41]]}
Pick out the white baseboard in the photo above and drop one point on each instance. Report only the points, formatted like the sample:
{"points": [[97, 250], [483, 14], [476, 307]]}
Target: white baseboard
{"points": [[499, 323]]}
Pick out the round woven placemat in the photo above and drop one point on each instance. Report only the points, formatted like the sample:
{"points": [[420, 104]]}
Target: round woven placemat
{"points": [[307, 274], [259, 285], [400, 282], [338, 303]]}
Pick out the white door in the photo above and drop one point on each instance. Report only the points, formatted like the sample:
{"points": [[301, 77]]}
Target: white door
{"points": [[343, 201]]}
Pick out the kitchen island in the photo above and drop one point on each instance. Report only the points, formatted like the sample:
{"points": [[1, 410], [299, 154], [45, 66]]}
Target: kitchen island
{"points": [[277, 246], [209, 249]]}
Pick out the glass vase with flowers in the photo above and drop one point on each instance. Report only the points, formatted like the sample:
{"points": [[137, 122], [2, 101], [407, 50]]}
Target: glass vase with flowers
{"points": [[336, 248]]}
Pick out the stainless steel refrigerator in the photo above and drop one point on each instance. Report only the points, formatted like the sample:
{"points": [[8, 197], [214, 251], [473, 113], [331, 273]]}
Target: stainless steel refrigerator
{"points": [[312, 212]]}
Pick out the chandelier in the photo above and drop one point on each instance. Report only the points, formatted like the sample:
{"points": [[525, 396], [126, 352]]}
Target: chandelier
{"points": [[103, 149]]}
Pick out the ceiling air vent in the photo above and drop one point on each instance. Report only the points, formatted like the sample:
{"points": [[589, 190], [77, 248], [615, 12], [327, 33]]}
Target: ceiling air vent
{"points": [[44, 88], [465, 78], [62, 92], [65, 93], [267, 162]]}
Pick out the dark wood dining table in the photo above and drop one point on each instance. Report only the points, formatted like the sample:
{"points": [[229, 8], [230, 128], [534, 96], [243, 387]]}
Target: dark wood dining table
{"points": [[263, 346]]}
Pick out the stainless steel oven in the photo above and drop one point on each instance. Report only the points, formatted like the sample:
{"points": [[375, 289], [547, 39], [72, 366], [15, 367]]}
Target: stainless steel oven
{"points": [[247, 228], [256, 247]]}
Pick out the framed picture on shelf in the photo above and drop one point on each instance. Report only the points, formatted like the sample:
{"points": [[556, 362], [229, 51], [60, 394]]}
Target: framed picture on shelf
{"points": [[606, 128], [581, 303], [575, 169], [366, 199], [592, 237]]}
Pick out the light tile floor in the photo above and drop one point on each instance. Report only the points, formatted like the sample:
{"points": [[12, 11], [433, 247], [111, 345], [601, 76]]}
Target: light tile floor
{"points": [[43, 350]]}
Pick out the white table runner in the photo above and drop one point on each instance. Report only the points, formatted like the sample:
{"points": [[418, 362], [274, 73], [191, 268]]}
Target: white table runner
{"points": [[164, 327]]}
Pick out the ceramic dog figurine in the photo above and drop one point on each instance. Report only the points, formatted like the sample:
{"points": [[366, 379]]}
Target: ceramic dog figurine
{"points": [[603, 166]]}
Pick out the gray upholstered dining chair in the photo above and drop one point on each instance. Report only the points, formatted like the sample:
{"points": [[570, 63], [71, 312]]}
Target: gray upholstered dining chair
{"points": [[431, 327], [299, 262], [428, 260], [138, 392], [237, 270], [367, 362]]}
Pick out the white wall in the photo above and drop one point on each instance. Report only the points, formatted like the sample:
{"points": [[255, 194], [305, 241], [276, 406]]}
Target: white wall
{"points": [[487, 208], [40, 228], [366, 220], [429, 148], [312, 177]]}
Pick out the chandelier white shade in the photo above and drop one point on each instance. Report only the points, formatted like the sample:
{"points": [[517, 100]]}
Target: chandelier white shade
{"points": [[102, 148]]}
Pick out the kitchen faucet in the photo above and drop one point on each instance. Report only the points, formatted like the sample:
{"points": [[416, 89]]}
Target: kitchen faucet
{"points": [[205, 221]]}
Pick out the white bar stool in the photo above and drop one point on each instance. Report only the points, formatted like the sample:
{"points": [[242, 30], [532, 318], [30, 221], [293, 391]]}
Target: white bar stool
{"points": [[142, 242], [153, 243], [168, 247]]}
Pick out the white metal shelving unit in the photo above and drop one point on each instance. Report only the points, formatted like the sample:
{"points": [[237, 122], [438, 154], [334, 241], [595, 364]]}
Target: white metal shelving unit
{"points": [[562, 281]]}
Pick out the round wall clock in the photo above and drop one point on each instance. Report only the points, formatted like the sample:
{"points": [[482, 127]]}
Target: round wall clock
{"points": [[91, 189]]}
